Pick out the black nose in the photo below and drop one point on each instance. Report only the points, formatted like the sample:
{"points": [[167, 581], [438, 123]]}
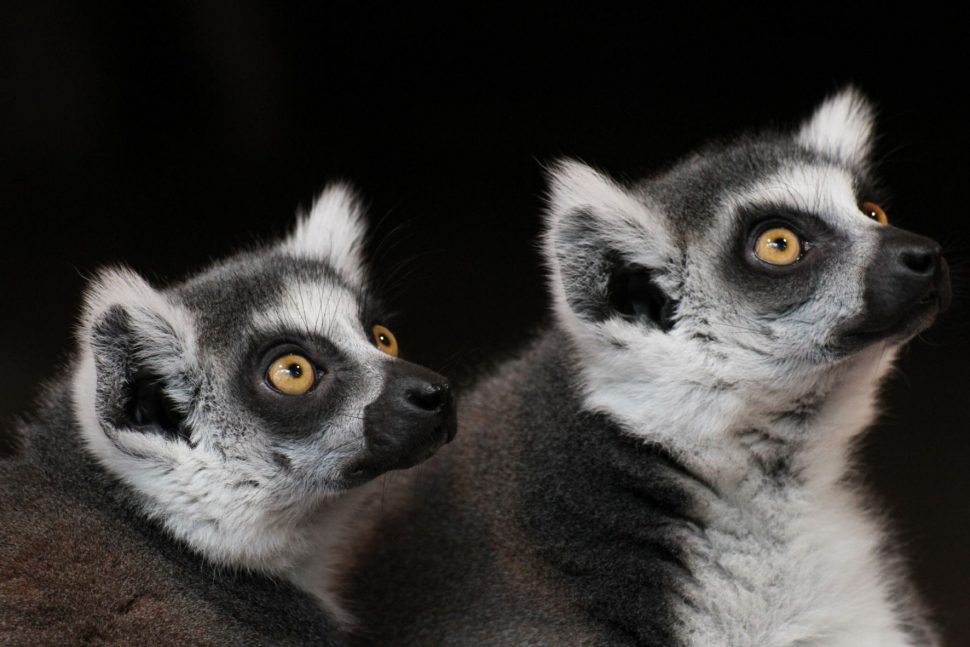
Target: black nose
{"points": [[910, 270], [907, 285], [922, 258], [408, 422], [421, 399], [427, 396]]}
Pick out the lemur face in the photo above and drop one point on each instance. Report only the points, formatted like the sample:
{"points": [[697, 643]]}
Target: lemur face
{"points": [[770, 251], [253, 393], [305, 354]]}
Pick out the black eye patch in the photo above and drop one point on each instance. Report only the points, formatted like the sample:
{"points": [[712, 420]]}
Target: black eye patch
{"points": [[634, 294]]}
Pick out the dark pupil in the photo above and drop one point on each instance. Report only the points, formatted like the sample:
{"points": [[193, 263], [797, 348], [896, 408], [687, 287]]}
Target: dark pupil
{"points": [[873, 215], [384, 341], [295, 370], [780, 244]]}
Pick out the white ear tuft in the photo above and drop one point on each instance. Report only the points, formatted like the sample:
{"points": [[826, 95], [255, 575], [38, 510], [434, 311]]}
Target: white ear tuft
{"points": [[574, 185], [164, 331], [841, 127], [594, 226], [333, 231], [121, 286], [583, 199]]}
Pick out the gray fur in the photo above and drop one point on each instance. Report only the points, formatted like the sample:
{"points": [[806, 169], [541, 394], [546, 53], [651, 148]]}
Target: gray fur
{"points": [[80, 565], [669, 463]]}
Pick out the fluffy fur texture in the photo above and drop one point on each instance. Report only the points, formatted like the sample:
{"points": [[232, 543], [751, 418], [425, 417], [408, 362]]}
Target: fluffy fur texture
{"points": [[170, 399], [670, 463], [80, 565]]}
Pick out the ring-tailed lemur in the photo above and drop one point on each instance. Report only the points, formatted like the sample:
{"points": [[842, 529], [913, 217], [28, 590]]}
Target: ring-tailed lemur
{"points": [[669, 462], [189, 480]]}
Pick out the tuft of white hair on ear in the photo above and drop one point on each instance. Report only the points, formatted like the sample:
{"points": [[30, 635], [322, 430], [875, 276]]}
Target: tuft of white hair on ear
{"points": [[841, 127], [147, 307], [621, 218], [332, 231], [575, 186]]}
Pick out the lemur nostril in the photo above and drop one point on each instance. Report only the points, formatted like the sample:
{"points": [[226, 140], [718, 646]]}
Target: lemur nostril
{"points": [[920, 262], [429, 397]]}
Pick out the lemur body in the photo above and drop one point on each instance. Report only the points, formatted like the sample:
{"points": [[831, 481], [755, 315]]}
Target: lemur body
{"points": [[210, 449], [670, 462]]}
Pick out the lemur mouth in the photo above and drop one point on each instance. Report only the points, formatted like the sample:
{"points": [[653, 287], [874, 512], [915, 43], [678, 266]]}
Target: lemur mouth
{"points": [[913, 321], [370, 466]]}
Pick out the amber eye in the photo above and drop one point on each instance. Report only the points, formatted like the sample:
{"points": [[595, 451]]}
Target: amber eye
{"points": [[291, 374], [778, 246], [875, 212], [385, 340]]}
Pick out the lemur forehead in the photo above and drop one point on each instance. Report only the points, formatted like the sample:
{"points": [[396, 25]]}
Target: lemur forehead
{"points": [[827, 192], [331, 311], [230, 296], [693, 191]]}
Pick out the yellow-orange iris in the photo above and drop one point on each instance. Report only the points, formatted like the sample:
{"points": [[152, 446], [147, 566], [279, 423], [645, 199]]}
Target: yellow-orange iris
{"points": [[778, 246], [875, 212], [291, 374], [385, 340]]}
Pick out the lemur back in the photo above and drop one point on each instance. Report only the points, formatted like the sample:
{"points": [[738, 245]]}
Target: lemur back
{"points": [[669, 463], [193, 476]]}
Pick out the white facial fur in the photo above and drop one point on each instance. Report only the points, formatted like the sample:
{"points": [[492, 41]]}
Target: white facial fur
{"points": [[630, 366], [235, 492]]}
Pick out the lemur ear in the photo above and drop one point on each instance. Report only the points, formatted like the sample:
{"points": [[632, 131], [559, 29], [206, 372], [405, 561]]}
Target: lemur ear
{"points": [[333, 231], [137, 351], [599, 233], [842, 127]]}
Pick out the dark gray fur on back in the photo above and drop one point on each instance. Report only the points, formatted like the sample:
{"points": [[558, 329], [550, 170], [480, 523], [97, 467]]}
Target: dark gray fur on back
{"points": [[79, 564], [544, 525]]}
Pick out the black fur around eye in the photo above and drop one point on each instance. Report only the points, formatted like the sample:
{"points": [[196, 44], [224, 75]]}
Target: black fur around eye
{"points": [[634, 294]]}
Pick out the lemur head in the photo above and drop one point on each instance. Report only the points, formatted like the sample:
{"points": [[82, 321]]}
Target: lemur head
{"points": [[762, 259], [240, 404]]}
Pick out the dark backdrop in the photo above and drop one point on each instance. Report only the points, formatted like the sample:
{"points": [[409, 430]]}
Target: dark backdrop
{"points": [[163, 137]]}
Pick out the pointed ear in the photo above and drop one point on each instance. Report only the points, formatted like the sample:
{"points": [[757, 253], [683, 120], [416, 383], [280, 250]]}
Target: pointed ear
{"points": [[598, 235], [137, 351], [333, 231], [842, 128]]}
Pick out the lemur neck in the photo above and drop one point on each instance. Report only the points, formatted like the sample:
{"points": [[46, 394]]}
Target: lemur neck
{"points": [[725, 424]]}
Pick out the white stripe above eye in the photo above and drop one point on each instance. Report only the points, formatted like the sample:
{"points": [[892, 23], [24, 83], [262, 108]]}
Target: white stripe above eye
{"points": [[327, 310], [826, 191]]}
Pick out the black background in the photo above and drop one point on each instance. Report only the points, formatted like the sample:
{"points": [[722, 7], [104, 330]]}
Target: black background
{"points": [[164, 137]]}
